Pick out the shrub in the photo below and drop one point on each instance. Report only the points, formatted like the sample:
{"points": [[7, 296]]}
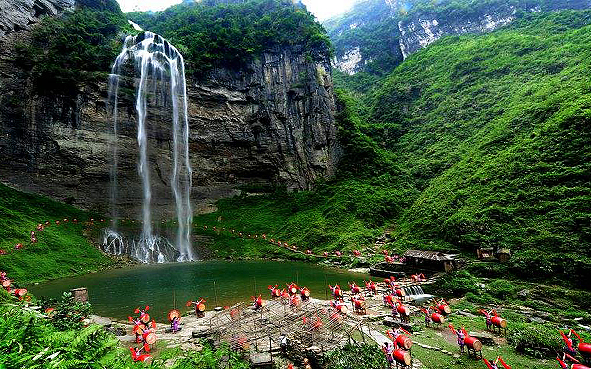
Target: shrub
{"points": [[488, 270], [370, 355], [539, 340], [211, 358], [65, 51], [502, 289], [459, 283], [27, 340], [68, 313]]}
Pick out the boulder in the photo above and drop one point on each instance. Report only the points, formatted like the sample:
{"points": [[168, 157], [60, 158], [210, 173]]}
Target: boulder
{"points": [[200, 332], [100, 320]]}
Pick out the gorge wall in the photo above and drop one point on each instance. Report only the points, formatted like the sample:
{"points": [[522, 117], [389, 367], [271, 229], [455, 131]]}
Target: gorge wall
{"points": [[269, 122], [388, 31]]}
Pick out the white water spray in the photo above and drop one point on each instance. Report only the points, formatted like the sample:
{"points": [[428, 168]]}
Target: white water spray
{"points": [[157, 61]]}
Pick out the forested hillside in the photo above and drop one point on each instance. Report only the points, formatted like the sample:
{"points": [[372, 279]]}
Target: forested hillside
{"points": [[495, 132], [375, 36], [474, 141], [210, 33]]}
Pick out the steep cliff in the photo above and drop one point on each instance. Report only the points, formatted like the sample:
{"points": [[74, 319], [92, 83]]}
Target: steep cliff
{"points": [[267, 122], [365, 38], [19, 15], [377, 35]]}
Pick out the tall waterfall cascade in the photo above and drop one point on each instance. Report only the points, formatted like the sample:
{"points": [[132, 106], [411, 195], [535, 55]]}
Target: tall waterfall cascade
{"points": [[159, 71]]}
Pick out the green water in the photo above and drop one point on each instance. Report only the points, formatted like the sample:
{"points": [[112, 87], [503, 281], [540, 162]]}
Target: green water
{"points": [[116, 293]]}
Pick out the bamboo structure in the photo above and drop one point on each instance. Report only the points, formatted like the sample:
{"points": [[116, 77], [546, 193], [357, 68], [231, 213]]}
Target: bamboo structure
{"points": [[309, 324]]}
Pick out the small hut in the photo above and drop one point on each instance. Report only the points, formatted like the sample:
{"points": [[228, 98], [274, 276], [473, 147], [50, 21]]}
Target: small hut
{"points": [[504, 255], [431, 260]]}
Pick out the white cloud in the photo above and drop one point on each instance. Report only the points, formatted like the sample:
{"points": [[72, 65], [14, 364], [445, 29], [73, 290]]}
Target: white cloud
{"points": [[322, 9], [145, 5]]}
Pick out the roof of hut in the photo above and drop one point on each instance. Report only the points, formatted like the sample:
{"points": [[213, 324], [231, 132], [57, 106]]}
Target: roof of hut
{"points": [[430, 255]]}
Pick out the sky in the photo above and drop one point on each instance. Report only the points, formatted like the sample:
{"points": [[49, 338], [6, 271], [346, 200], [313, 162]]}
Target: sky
{"points": [[322, 9]]}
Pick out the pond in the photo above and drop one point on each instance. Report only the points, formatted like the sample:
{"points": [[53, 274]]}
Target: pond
{"points": [[116, 293]]}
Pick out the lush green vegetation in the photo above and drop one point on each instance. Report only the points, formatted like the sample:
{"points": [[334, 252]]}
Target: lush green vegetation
{"points": [[444, 339], [29, 340], [232, 34], [527, 344], [76, 48], [60, 251], [562, 304], [532, 338], [474, 141], [372, 26], [535, 312], [370, 355], [67, 313], [494, 130]]}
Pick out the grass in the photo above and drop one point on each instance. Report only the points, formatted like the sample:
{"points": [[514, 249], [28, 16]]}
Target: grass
{"points": [[295, 218], [61, 251], [442, 338], [437, 360], [562, 304]]}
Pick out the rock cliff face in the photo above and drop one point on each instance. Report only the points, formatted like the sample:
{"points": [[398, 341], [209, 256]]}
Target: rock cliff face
{"points": [[271, 122], [388, 31], [423, 28], [19, 15]]}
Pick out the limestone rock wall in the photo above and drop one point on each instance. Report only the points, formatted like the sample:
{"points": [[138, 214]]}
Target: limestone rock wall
{"points": [[423, 28]]}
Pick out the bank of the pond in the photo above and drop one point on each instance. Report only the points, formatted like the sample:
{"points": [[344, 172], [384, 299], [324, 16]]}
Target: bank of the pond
{"points": [[117, 292], [39, 239]]}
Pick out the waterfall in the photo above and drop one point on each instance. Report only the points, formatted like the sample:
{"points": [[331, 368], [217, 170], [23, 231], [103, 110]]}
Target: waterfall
{"points": [[413, 290], [158, 62], [415, 293]]}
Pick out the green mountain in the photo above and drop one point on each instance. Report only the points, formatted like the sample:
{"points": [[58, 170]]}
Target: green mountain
{"points": [[230, 33], [495, 132], [377, 35], [474, 141]]}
